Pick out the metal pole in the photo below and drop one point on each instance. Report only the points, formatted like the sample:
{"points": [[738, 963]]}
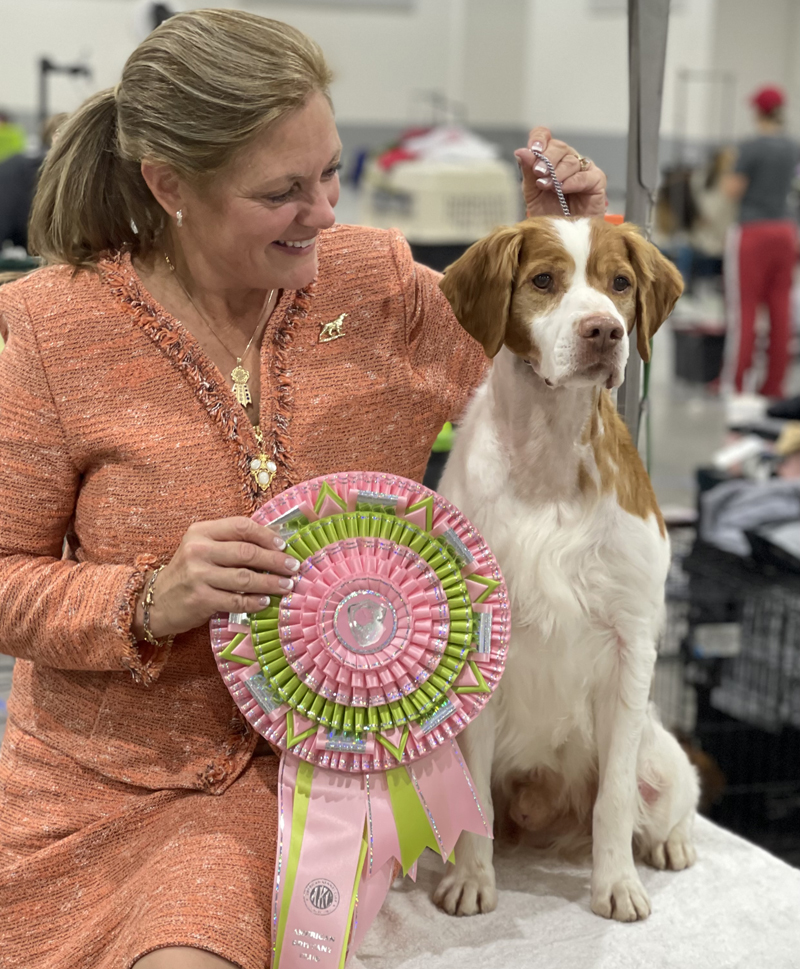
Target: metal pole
{"points": [[647, 39], [44, 70]]}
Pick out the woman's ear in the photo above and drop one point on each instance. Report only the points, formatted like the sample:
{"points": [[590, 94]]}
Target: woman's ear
{"points": [[164, 183], [479, 286], [658, 286]]}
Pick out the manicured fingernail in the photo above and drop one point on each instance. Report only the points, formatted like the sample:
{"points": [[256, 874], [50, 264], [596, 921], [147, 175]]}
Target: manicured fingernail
{"points": [[286, 584], [264, 601], [278, 543], [537, 146], [292, 564], [540, 167], [544, 182]]}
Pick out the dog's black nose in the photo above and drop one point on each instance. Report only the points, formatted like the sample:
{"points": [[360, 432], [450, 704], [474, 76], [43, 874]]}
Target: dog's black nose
{"points": [[600, 331]]}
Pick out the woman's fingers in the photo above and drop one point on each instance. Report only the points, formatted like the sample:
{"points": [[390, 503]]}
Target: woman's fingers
{"points": [[248, 583], [586, 188], [245, 555], [588, 182], [238, 529], [220, 601], [539, 138], [567, 166]]}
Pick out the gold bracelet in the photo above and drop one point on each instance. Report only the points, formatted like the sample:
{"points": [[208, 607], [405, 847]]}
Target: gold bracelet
{"points": [[146, 606]]}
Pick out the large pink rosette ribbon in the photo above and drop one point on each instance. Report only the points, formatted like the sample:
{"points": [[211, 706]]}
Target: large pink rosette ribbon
{"points": [[391, 642]]}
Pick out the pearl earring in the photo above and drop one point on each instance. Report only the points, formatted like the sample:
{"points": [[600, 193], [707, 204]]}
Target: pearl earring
{"points": [[179, 217]]}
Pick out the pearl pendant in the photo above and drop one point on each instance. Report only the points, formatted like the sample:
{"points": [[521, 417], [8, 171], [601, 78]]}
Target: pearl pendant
{"points": [[263, 470]]}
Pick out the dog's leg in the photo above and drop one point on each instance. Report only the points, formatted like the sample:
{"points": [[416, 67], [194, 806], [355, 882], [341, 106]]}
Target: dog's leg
{"points": [[669, 791], [468, 887], [620, 712]]}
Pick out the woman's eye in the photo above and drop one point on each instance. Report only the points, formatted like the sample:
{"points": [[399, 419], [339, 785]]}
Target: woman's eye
{"points": [[621, 283], [327, 175], [278, 199], [542, 280]]}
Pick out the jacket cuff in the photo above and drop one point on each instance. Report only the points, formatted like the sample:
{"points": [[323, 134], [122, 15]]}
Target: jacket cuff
{"points": [[143, 660]]}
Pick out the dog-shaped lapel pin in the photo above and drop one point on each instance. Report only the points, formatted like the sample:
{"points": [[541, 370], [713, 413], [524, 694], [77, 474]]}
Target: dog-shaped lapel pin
{"points": [[333, 330]]}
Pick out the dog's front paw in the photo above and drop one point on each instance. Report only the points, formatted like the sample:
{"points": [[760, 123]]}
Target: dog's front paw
{"points": [[676, 853], [466, 890], [623, 899]]}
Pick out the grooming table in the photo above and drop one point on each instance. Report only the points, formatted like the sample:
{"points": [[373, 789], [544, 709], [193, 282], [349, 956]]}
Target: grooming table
{"points": [[737, 908]]}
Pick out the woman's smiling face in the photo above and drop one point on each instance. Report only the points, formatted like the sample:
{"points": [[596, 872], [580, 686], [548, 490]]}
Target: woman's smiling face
{"points": [[255, 224]]}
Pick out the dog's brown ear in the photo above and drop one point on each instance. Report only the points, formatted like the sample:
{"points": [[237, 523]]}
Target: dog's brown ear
{"points": [[479, 286], [659, 284]]}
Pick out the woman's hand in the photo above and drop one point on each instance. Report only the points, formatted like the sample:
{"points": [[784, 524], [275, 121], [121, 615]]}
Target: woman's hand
{"points": [[228, 565], [585, 190]]}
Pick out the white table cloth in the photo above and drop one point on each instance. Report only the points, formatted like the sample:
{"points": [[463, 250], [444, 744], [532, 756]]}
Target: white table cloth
{"points": [[737, 908]]}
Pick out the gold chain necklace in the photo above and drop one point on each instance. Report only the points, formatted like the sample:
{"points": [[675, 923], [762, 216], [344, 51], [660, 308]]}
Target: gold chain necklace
{"points": [[262, 467], [239, 375]]}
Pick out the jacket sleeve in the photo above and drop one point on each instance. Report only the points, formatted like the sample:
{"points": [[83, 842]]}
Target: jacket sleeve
{"points": [[53, 611], [442, 354]]}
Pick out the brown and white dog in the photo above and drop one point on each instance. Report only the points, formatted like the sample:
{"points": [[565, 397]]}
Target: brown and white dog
{"points": [[546, 470]]}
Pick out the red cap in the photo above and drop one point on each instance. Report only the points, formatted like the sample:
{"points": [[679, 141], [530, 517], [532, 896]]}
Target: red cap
{"points": [[767, 99]]}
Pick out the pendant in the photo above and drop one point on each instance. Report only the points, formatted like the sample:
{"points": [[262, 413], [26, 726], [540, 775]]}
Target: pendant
{"points": [[240, 376], [262, 468]]}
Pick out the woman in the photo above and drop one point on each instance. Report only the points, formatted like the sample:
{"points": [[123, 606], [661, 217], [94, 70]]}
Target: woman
{"points": [[188, 215]]}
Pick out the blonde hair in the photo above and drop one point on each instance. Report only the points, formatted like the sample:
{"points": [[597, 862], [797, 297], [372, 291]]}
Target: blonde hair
{"points": [[195, 92]]}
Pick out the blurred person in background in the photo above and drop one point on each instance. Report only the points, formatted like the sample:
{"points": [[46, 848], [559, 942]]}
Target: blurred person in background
{"points": [[187, 219], [762, 248], [715, 213], [18, 176], [12, 137]]}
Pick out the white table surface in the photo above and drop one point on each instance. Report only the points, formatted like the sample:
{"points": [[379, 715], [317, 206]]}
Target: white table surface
{"points": [[737, 908]]}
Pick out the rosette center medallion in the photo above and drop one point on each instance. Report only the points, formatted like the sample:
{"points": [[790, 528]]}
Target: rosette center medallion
{"points": [[365, 622]]}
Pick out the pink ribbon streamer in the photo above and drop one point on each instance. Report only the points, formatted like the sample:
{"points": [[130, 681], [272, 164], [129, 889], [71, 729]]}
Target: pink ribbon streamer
{"points": [[339, 807], [447, 793], [372, 893], [383, 843], [319, 910]]}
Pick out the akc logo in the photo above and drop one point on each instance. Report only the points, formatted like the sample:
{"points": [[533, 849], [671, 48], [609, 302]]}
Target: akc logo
{"points": [[321, 896]]}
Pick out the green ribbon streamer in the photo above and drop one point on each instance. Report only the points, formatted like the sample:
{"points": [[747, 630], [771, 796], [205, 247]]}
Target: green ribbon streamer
{"points": [[414, 830], [300, 801], [362, 857]]}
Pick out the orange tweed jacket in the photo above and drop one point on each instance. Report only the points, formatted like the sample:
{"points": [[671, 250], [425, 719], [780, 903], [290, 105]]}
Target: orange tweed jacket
{"points": [[117, 432]]}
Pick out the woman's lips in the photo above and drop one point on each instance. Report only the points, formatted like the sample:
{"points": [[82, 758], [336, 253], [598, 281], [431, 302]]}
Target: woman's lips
{"points": [[291, 247]]}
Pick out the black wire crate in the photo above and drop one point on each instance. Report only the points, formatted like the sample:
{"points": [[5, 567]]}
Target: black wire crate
{"points": [[741, 661]]}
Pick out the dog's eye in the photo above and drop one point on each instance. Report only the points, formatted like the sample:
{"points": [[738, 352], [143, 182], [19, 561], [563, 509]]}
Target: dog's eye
{"points": [[542, 280], [621, 283]]}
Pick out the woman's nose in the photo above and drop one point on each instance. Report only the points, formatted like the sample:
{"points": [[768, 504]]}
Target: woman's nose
{"points": [[320, 214]]}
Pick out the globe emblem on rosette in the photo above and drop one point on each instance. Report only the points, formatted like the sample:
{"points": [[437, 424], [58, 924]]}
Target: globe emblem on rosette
{"points": [[393, 638]]}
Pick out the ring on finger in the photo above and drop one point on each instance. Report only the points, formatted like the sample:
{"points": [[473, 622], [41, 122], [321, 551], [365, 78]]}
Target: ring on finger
{"points": [[584, 162]]}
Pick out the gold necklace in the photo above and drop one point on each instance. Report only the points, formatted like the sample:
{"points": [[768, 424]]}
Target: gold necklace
{"points": [[239, 375]]}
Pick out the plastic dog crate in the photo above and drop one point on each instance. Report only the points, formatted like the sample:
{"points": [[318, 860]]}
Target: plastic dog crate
{"points": [[441, 203]]}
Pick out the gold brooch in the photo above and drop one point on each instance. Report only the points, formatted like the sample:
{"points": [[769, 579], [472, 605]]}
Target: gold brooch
{"points": [[333, 330]]}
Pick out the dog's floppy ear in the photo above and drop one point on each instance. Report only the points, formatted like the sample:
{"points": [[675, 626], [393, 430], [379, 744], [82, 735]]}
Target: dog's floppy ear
{"points": [[479, 286], [659, 284]]}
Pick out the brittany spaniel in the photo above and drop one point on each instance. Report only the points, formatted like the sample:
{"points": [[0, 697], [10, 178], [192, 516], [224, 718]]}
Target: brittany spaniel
{"points": [[546, 470]]}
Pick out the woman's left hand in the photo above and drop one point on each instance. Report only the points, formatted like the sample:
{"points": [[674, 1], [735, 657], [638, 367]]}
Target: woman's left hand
{"points": [[585, 190]]}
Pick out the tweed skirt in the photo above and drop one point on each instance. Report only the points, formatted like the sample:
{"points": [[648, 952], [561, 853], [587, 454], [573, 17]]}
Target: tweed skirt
{"points": [[95, 873]]}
